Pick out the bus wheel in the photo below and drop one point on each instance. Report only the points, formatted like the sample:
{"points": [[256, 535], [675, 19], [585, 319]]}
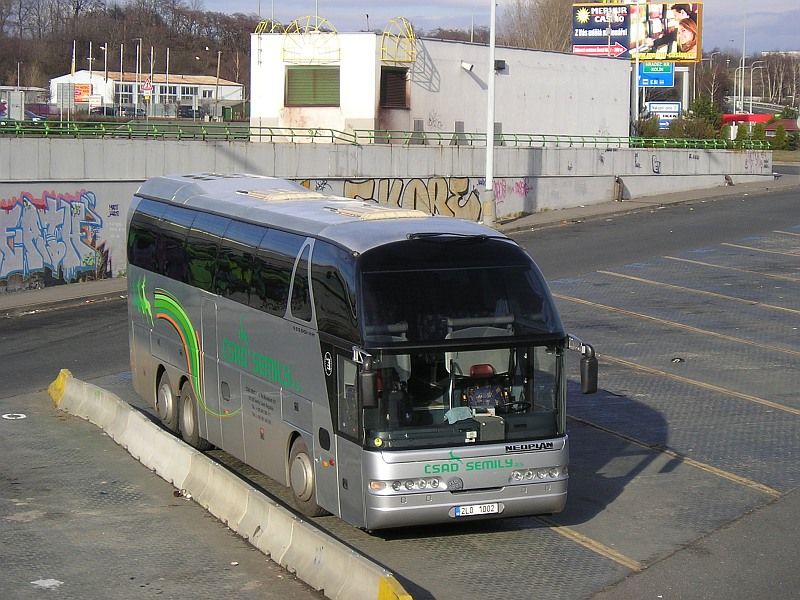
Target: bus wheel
{"points": [[166, 403], [301, 479], [190, 431]]}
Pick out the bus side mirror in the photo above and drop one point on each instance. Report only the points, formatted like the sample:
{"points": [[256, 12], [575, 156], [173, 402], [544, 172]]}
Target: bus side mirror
{"points": [[588, 364], [368, 387], [589, 374]]}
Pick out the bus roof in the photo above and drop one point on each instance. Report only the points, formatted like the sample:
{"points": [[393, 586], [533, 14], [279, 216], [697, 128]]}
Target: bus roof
{"points": [[355, 224]]}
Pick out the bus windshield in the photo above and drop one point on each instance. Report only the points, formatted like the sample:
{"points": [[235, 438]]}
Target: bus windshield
{"points": [[429, 305], [460, 397], [467, 346]]}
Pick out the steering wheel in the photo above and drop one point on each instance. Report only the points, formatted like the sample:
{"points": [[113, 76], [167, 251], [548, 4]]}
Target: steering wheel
{"points": [[517, 406]]}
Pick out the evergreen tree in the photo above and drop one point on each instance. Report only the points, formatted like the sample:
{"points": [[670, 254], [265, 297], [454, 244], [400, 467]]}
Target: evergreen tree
{"points": [[779, 141]]}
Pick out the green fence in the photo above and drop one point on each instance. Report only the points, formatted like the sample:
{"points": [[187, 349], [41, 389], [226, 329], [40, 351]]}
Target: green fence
{"points": [[160, 130]]}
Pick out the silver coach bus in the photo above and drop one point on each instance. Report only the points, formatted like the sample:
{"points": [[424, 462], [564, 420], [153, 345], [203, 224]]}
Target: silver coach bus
{"points": [[390, 367]]}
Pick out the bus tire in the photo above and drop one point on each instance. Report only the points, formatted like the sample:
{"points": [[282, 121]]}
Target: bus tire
{"points": [[301, 480], [189, 427], [167, 403]]}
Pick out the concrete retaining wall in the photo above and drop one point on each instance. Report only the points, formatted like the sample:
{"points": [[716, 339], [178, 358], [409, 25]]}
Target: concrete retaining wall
{"points": [[316, 558], [64, 201]]}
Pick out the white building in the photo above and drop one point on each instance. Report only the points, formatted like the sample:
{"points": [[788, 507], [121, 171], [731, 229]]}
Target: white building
{"points": [[366, 81], [159, 96]]}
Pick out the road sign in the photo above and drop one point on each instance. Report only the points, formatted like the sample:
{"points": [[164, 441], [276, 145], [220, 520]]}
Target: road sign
{"points": [[147, 87], [665, 111], [656, 74]]}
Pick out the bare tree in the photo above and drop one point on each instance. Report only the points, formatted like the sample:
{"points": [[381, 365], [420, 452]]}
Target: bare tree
{"points": [[539, 24]]}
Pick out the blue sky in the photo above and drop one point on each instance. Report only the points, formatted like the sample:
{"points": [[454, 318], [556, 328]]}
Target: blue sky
{"points": [[771, 24]]}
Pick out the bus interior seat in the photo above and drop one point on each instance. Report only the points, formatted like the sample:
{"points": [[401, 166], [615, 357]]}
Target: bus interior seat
{"points": [[463, 362], [474, 372]]}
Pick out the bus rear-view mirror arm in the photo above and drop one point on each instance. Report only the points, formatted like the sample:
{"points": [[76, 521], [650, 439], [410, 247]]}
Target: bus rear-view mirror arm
{"points": [[588, 364]]}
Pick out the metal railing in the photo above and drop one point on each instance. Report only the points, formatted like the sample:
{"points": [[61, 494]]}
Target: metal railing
{"points": [[245, 132]]}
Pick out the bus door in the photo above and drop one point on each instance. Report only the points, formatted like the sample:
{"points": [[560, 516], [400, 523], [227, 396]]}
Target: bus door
{"points": [[235, 351], [346, 477], [209, 419]]}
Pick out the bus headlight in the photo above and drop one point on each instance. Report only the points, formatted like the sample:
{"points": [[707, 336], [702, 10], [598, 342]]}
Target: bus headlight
{"points": [[405, 486], [538, 474]]}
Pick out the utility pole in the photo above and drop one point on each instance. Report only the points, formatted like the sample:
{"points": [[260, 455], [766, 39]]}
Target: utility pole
{"points": [[488, 203], [216, 91]]}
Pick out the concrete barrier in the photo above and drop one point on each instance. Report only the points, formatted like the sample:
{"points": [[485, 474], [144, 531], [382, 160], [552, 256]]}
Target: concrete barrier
{"points": [[321, 561]]}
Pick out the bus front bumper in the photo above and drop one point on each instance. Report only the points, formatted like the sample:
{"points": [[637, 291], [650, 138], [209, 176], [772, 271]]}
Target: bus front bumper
{"points": [[441, 507]]}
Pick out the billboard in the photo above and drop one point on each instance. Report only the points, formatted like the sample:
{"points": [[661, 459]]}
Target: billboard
{"points": [[82, 92], [663, 32], [600, 30], [666, 32]]}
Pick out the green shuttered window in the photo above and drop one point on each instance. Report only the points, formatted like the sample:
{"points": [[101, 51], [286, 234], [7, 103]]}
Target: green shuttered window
{"points": [[312, 86]]}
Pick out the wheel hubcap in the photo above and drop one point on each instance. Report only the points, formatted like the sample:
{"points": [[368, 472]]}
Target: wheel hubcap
{"points": [[187, 416], [302, 476], [165, 401]]}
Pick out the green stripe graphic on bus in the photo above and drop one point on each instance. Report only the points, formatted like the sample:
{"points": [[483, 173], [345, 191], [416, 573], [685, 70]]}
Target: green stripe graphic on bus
{"points": [[168, 308], [140, 300]]}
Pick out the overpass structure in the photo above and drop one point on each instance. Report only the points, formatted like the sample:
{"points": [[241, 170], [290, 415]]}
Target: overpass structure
{"points": [[65, 200]]}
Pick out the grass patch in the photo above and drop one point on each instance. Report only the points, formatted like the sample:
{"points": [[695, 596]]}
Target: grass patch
{"points": [[786, 155]]}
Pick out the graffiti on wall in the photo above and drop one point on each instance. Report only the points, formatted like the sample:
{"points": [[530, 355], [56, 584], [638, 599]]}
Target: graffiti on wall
{"points": [[55, 234], [449, 196]]}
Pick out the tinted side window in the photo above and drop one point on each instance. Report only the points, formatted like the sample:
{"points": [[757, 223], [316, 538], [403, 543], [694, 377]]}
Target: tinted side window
{"points": [[301, 293], [332, 279], [274, 263], [143, 233], [235, 261], [171, 246], [202, 246]]}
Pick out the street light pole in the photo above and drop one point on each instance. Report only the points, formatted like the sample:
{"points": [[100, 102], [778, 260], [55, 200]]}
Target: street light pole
{"points": [[489, 203], [216, 90], [104, 48], [753, 67], [736, 90], [91, 60], [138, 71]]}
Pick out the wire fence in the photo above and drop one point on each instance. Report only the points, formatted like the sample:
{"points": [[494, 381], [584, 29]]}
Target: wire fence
{"points": [[170, 130]]}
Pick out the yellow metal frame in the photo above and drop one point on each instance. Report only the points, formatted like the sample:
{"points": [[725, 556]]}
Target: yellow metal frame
{"points": [[399, 42], [311, 40]]}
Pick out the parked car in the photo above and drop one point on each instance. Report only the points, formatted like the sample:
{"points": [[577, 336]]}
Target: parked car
{"points": [[32, 116], [130, 111], [105, 111], [187, 112]]}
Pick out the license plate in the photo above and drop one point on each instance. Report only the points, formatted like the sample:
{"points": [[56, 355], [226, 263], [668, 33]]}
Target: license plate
{"points": [[475, 510]]}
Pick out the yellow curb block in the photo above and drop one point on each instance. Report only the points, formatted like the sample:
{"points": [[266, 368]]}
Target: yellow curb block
{"points": [[56, 389]]}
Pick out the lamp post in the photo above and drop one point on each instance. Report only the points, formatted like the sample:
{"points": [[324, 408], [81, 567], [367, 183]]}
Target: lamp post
{"points": [[753, 67], [489, 204], [104, 48], [138, 71], [736, 90], [216, 87], [90, 59], [19, 62]]}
